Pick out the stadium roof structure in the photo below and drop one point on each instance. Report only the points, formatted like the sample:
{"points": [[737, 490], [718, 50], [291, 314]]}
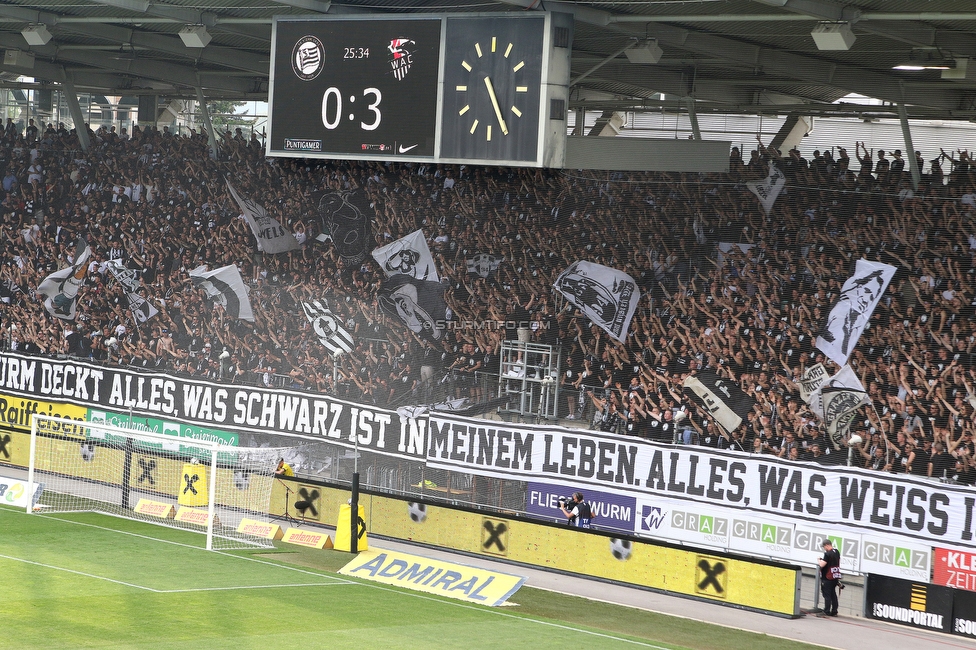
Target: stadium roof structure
{"points": [[728, 56]]}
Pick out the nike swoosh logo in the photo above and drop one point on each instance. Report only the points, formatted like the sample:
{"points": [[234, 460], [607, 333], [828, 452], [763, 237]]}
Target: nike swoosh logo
{"points": [[406, 149]]}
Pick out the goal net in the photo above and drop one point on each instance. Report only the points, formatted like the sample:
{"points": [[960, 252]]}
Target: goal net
{"points": [[173, 481]]}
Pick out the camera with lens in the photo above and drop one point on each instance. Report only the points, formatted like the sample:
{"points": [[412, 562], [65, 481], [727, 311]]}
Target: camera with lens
{"points": [[564, 500]]}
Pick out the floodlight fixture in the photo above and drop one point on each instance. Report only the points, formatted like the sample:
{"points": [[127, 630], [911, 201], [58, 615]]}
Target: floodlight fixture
{"points": [[647, 51], [195, 36], [833, 36], [36, 35]]}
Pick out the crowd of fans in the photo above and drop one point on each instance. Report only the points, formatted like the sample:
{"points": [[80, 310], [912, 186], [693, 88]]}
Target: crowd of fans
{"points": [[158, 202]]}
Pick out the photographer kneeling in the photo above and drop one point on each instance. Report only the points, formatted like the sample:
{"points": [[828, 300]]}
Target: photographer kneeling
{"points": [[577, 510]]}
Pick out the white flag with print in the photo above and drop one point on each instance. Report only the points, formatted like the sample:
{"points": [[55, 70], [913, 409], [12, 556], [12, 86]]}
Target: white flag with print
{"points": [[836, 401], [407, 256], [768, 189], [271, 235], [854, 306], [607, 296]]}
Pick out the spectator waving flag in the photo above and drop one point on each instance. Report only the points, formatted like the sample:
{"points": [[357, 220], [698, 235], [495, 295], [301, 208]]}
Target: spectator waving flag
{"points": [[271, 236], [418, 303], [128, 279], [408, 255], [768, 189], [142, 309], [327, 327], [60, 289], [719, 397], [836, 402], [607, 296], [812, 379], [226, 287], [854, 306]]}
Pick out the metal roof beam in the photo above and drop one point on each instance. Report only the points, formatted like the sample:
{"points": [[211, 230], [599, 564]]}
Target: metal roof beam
{"points": [[808, 68], [309, 5], [908, 31], [190, 17], [238, 59], [145, 68]]}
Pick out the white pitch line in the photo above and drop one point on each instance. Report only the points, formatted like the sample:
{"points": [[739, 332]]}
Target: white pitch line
{"points": [[495, 612], [307, 584], [489, 611], [80, 573], [200, 548]]}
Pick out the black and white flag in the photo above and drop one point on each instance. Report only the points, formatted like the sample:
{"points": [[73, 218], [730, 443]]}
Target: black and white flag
{"points": [[607, 296], [484, 264], [408, 255], [126, 277], [418, 303], [225, 286], [142, 309], [836, 402], [768, 189], [854, 306], [271, 235], [812, 379], [346, 216], [719, 397], [60, 289], [327, 327]]}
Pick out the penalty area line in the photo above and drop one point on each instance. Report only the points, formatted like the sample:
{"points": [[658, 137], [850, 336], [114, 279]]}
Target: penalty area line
{"points": [[80, 573]]}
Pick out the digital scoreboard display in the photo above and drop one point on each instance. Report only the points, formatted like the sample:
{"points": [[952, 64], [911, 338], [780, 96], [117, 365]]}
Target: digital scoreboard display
{"points": [[474, 88], [355, 88]]}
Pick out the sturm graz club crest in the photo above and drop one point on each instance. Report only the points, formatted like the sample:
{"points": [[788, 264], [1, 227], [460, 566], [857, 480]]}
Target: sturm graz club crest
{"points": [[401, 56], [308, 58]]}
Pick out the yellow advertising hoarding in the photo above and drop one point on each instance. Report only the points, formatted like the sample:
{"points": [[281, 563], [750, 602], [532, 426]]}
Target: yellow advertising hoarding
{"points": [[732, 581]]}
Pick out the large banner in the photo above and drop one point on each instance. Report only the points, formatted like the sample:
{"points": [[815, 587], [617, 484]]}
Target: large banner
{"points": [[803, 492], [248, 410], [882, 523]]}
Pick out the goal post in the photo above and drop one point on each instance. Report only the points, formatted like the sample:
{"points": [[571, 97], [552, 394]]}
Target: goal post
{"points": [[179, 482]]}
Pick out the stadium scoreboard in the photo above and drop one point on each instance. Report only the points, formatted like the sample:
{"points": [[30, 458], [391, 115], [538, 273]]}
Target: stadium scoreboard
{"points": [[452, 88]]}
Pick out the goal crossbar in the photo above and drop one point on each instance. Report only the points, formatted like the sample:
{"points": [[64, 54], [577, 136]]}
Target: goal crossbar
{"points": [[91, 466]]}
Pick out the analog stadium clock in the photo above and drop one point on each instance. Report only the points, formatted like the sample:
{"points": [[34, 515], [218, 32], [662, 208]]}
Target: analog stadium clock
{"points": [[493, 88]]}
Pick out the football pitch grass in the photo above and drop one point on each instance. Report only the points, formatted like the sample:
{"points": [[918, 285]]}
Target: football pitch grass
{"points": [[85, 580]]}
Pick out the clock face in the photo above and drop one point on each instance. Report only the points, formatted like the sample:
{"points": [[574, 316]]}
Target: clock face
{"points": [[492, 88]]}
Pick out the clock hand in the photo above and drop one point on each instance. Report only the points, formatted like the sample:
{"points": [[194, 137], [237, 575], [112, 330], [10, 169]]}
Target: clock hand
{"points": [[494, 102]]}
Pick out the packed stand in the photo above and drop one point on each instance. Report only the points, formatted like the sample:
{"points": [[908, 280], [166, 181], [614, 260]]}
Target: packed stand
{"points": [[158, 202]]}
